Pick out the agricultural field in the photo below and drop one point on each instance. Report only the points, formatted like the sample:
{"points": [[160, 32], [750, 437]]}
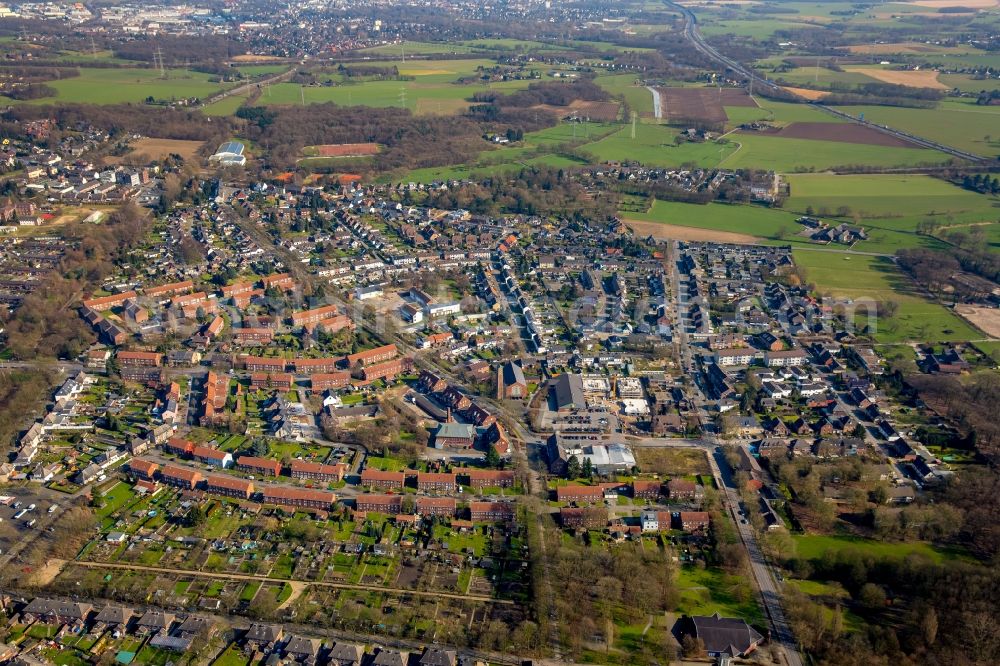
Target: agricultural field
{"points": [[958, 123], [654, 145], [158, 149], [115, 86], [638, 98], [760, 150]]}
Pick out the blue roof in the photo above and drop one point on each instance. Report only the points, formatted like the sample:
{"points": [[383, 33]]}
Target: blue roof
{"points": [[233, 147]]}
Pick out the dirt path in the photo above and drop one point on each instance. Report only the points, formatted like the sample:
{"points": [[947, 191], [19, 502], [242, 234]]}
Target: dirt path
{"points": [[264, 579], [297, 590], [661, 230]]}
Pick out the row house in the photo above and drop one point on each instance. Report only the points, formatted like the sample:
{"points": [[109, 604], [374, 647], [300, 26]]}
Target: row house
{"points": [[209, 456], [214, 404], [179, 446], [301, 469], [491, 512], [262, 466], [577, 493], [436, 506], [143, 469], [376, 478], [229, 486], [489, 478], [391, 504], [103, 303], [281, 381], [307, 366], [314, 316], [169, 289], [260, 364], [253, 336], [646, 489], [589, 518], [180, 477], [370, 356], [139, 359], [298, 497], [282, 281], [436, 481], [385, 370], [325, 381]]}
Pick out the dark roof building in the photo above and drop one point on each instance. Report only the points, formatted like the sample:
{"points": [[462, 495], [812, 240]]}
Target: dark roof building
{"points": [[567, 392], [723, 636]]}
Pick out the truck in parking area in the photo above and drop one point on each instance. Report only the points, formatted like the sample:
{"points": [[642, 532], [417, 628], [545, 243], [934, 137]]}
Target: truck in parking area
{"points": [[53, 508], [20, 514], [30, 523]]}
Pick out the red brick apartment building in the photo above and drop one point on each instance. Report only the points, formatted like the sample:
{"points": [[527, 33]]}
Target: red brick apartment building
{"points": [[262, 466], [180, 477], [139, 359], [260, 364], [314, 316], [236, 289], [169, 289], [590, 518], [329, 380], [229, 486], [491, 512], [103, 303], [143, 469], [216, 394], [384, 370], [380, 503], [302, 469], [281, 381], [436, 506], [436, 481], [252, 336], [306, 366], [682, 489], [376, 355], [179, 446], [580, 494], [694, 521], [646, 489], [282, 281], [489, 478], [376, 478], [298, 497]]}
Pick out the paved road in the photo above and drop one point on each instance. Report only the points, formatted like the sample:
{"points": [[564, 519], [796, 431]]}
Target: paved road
{"points": [[764, 581], [657, 102], [246, 87]]}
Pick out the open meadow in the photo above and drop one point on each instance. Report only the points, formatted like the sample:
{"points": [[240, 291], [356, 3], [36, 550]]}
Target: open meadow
{"points": [[115, 86], [851, 279]]}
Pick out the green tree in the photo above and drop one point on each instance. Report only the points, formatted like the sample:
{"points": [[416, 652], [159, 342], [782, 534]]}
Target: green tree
{"points": [[492, 457], [573, 468], [588, 468]]}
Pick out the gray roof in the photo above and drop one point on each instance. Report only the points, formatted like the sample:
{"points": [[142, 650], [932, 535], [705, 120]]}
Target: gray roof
{"points": [[433, 656], [156, 618], [346, 652], [264, 633], [513, 374], [569, 391], [302, 646], [390, 658], [115, 615], [452, 429], [725, 635]]}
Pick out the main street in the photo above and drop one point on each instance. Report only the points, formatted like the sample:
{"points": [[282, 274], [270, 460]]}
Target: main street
{"points": [[761, 570]]}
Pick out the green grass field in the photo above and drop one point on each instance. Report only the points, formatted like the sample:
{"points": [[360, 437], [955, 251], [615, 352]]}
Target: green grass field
{"points": [[814, 546], [225, 107], [115, 86], [891, 206], [958, 123], [653, 145], [753, 220], [760, 151], [638, 98], [706, 591], [416, 48], [853, 278]]}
